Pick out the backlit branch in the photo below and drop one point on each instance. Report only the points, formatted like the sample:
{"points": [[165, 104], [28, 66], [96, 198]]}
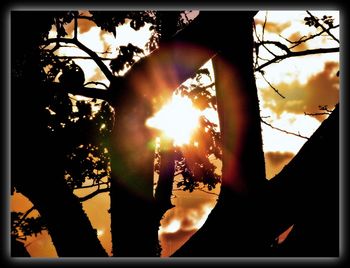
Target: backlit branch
{"points": [[207, 192], [297, 54], [275, 89], [276, 43], [284, 131], [323, 108], [81, 58], [88, 51], [304, 39], [89, 196], [25, 215], [89, 92], [288, 49], [75, 26], [323, 28]]}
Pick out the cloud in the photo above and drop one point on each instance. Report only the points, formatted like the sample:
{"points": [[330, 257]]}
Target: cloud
{"points": [[273, 27], [173, 241], [191, 211], [98, 76], [277, 158], [275, 161], [320, 89], [294, 37], [85, 25]]}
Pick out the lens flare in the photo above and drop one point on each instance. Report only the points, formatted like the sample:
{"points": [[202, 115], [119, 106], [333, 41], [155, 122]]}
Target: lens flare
{"points": [[178, 119]]}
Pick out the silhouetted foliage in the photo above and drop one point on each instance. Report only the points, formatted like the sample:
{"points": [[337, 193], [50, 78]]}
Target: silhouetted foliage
{"points": [[23, 226], [125, 58], [314, 21], [192, 160]]}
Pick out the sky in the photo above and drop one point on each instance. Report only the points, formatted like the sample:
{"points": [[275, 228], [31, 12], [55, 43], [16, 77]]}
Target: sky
{"points": [[306, 82]]}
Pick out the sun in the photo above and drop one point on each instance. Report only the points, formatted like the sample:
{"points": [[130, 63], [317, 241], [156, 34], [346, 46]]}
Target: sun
{"points": [[178, 119]]}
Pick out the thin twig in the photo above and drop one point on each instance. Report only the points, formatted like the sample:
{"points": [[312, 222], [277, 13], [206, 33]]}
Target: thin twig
{"points": [[264, 25], [275, 89], [323, 28], [304, 39], [284, 131], [315, 114], [91, 185], [298, 54], [207, 191], [199, 189], [81, 58]]}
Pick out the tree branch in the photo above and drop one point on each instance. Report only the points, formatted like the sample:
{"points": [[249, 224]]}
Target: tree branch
{"points": [[89, 196], [304, 39], [276, 43], [284, 131], [207, 192], [323, 28], [25, 215], [83, 91], [82, 58], [298, 54], [315, 114], [275, 89], [307, 189], [87, 50], [96, 83], [75, 26]]}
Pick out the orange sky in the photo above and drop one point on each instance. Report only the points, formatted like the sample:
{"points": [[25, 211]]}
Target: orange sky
{"points": [[306, 82]]}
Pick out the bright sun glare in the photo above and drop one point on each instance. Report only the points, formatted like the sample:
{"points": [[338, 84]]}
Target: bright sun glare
{"points": [[178, 119]]}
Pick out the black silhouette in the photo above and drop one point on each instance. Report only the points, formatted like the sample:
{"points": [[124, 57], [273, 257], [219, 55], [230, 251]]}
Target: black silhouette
{"points": [[51, 142]]}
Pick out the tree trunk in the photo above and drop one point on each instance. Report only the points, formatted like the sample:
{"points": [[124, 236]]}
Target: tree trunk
{"points": [[38, 173], [234, 225], [151, 81], [133, 221], [18, 249], [37, 168], [166, 177], [306, 193]]}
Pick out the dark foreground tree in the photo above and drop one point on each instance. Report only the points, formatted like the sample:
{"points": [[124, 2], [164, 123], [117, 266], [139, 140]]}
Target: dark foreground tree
{"points": [[247, 215]]}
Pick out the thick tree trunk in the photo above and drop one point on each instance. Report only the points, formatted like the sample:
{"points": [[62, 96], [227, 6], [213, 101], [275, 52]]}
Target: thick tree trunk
{"points": [[151, 80], [133, 221], [18, 249], [69, 227], [165, 182], [38, 173], [37, 168], [234, 226], [306, 193]]}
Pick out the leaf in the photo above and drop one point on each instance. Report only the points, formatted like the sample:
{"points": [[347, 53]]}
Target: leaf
{"points": [[125, 57], [204, 71]]}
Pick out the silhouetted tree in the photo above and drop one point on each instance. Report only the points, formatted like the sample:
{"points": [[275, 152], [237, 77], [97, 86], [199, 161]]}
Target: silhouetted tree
{"points": [[49, 145]]}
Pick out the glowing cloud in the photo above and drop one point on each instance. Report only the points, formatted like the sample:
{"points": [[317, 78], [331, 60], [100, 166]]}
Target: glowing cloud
{"points": [[173, 227]]}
